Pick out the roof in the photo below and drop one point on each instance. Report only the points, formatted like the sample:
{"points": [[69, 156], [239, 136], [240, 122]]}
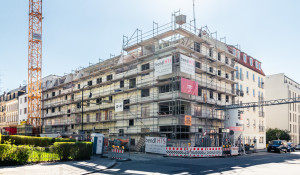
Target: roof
{"points": [[245, 60]]}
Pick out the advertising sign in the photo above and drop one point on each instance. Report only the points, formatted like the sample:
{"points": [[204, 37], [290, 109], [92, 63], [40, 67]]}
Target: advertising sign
{"points": [[156, 145], [189, 86], [187, 65], [163, 66], [119, 107], [188, 120]]}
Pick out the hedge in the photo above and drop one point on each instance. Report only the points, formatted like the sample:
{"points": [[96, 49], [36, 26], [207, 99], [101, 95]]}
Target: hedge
{"points": [[73, 150], [34, 141], [12, 154]]}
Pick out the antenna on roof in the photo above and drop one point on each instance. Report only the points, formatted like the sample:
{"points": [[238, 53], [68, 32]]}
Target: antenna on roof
{"points": [[194, 16]]}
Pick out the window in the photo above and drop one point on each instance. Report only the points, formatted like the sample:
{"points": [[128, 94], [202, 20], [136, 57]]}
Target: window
{"points": [[237, 72], [78, 119], [121, 132], [88, 118], [219, 97], [53, 110], [253, 77], [245, 58], [211, 94], [98, 116], [46, 111], [145, 92], [99, 80], [259, 66], [256, 64], [210, 52], [72, 96], [79, 105], [78, 86], [59, 92], [20, 100], [25, 111], [25, 99], [110, 98], [145, 66], [88, 103], [110, 115], [247, 74], [59, 108], [53, 94], [247, 90], [219, 56], [241, 74], [251, 61], [145, 111], [99, 100], [227, 98], [211, 70], [198, 65], [199, 91], [219, 73], [66, 97], [126, 102], [69, 111], [131, 122], [253, 92], [90, 83], [132, 83], [121, 83], [20, 111], [132, 142], [109, 77], [197, 47]]}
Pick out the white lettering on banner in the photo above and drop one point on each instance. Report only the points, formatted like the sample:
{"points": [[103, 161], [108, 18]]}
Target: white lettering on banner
{"points": [[163, 66], [187, 65], [119, 107], [156, 145]]}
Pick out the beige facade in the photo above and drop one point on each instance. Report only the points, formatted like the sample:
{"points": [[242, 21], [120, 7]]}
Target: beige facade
{"points": [[250, 88], [152, 105], [287, 116]]}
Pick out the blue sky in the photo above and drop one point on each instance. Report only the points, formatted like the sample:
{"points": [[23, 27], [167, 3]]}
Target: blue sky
{"points": [[76, 32]]}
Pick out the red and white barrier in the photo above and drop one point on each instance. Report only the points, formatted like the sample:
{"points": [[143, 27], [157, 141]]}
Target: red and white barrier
{"points": [[121, 151], [194, 151]]}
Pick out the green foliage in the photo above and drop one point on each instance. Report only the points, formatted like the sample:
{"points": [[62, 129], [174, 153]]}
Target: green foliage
{"points": [[12, 154], [72, 150], [4, 138], [28, 140], [275, 134], [64, 140]]}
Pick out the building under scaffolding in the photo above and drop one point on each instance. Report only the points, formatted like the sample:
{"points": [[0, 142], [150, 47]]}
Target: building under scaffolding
{"points": [[167, 82]]}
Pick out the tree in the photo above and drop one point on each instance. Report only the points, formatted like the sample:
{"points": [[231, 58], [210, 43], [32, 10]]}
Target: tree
{"points": [[277, 134]]}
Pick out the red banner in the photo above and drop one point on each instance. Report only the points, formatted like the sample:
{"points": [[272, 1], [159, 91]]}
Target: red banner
{"points": [[189, 86]]}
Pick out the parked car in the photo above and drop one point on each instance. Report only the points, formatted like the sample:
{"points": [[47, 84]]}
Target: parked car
{"points": [[298, 147], [290, 147], [277, 146]]}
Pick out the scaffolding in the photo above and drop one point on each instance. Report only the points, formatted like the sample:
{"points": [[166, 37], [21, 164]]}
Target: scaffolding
{"points": [[153, 106]]}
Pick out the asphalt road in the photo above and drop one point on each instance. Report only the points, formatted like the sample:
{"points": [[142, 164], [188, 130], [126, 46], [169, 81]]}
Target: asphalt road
{"points": [[258, 163]]}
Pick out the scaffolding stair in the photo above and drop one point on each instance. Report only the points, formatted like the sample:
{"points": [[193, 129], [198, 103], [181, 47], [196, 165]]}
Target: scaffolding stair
{"points": [[140, 144]]}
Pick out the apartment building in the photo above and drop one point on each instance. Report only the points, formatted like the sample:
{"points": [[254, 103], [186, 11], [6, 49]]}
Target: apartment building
{"points": [[287, 116], [10, 110], [250, 88], [23, 108], [165, 83]]}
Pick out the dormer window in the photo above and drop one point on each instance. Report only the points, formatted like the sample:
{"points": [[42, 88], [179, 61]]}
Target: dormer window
{"points": [[245, 58], [256, 64], [259, 66], [251, 61]]}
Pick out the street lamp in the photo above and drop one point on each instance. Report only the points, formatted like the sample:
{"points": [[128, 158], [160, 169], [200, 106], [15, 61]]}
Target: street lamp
{"points": [[82, 104]]}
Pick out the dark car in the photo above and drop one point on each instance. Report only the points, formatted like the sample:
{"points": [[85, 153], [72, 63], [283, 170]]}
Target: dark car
{"points": [[290, 147], [298, 147], [277, 146]]}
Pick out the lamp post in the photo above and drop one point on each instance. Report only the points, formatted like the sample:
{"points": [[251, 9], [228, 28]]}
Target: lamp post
{"points": [[82, 105]]}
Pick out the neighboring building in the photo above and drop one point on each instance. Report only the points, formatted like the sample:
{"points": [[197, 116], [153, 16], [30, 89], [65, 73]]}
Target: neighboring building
{"points": [[168, 84], [23, 108], [2, 112], [250, 88], [10, 104], [287, 116]]}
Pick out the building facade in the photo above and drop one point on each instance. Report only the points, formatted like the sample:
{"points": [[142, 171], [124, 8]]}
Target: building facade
{"points": [[250, 88], [10, 110], [23, 108], [287, 116], [168, 84]]}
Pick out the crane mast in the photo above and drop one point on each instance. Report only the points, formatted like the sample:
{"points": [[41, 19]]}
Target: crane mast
{"points": [[35, 64]]}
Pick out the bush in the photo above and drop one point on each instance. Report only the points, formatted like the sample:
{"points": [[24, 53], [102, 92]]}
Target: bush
{"points": [[72, 150], [12, 154], [64, 140], [4, 138], [28, 140]]}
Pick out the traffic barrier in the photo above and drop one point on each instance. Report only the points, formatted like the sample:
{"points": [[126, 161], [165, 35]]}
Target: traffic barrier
{"points": [[234, 151], [194, 151], [226, 151]]}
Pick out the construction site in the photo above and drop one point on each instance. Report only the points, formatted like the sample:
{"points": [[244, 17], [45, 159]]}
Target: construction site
{"points": [[167, 82]]}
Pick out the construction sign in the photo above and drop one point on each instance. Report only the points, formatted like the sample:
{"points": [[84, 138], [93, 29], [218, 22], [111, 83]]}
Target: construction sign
{"points": [[188, 120]]}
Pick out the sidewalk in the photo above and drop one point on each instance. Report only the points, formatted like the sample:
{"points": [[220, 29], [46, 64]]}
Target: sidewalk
{"points": [[61, 168]]}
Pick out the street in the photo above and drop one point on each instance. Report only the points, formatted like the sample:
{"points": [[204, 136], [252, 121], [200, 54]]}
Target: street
{"points": [[258, 163], [147, 164]]}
